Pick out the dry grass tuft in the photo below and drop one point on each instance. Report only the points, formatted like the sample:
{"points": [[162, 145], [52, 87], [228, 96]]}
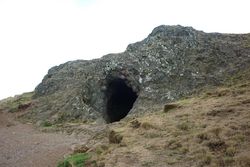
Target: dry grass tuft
{"points": [[230, 151], [216, 144], [170, 106], [221, 112], [203, 136], [206, 160], [135, 123], [243, 160], [183, 126], [147, 125], [115, 137]]}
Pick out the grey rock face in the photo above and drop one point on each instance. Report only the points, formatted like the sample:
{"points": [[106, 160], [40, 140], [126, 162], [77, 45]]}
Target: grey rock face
{"points": [[170, 63]]}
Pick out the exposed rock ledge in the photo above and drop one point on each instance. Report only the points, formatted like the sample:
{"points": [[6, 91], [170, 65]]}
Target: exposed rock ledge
{"points": [[170, 63]]}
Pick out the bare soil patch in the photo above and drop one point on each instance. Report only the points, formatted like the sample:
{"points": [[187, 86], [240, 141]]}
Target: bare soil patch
{"points": [[21, 145]]}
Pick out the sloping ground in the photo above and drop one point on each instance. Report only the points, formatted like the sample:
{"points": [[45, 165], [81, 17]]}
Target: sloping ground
{"points": [[211, 128]]}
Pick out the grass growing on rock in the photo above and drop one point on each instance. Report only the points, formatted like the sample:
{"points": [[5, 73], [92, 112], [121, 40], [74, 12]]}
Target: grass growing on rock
{"points": [[17, 103]]}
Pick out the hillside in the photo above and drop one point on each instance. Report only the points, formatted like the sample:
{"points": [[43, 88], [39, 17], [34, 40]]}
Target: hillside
{"points": [[211, 128], [170, 63], [180, 97]]}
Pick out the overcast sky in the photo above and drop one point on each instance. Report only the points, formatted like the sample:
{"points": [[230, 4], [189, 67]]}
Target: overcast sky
{"points": [[38, 34]]}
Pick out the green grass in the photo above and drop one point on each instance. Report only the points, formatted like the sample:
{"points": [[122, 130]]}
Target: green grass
{"points": [[75, 160], [13, 104], [46, 124]]}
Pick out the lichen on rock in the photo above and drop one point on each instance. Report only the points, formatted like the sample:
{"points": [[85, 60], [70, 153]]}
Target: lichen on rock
{"points": [[170, 63]]}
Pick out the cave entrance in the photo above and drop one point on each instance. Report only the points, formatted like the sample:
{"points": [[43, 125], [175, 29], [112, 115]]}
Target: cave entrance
{"points": [[120, 100]]}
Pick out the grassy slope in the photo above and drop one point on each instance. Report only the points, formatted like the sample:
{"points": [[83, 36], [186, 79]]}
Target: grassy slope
{"points": [[17, 103], [209, 129]]}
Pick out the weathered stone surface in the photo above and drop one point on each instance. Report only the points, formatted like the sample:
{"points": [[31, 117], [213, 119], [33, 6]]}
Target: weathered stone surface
{"points": [[170, 63]]}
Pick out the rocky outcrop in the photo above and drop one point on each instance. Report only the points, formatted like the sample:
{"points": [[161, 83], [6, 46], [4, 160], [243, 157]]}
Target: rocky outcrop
{"points": [[170, 63]]}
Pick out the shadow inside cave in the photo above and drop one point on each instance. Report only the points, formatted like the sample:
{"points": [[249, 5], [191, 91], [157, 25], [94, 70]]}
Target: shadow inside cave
{"points": [[120, 100]]}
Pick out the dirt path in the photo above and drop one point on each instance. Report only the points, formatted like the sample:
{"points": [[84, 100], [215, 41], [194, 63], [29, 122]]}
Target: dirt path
{"points": [[21, 145]]}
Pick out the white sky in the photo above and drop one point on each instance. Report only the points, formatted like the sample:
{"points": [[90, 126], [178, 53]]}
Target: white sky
{"points": [[38, 34]]}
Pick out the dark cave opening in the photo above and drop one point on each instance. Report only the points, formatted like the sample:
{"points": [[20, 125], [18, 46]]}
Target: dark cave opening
{"points": [[120, 100]]}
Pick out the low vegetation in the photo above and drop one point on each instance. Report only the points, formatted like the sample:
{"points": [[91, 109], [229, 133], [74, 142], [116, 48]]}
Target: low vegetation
{"points": [[208, 129], [17, 103], [75, 160], [211, 128]]}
